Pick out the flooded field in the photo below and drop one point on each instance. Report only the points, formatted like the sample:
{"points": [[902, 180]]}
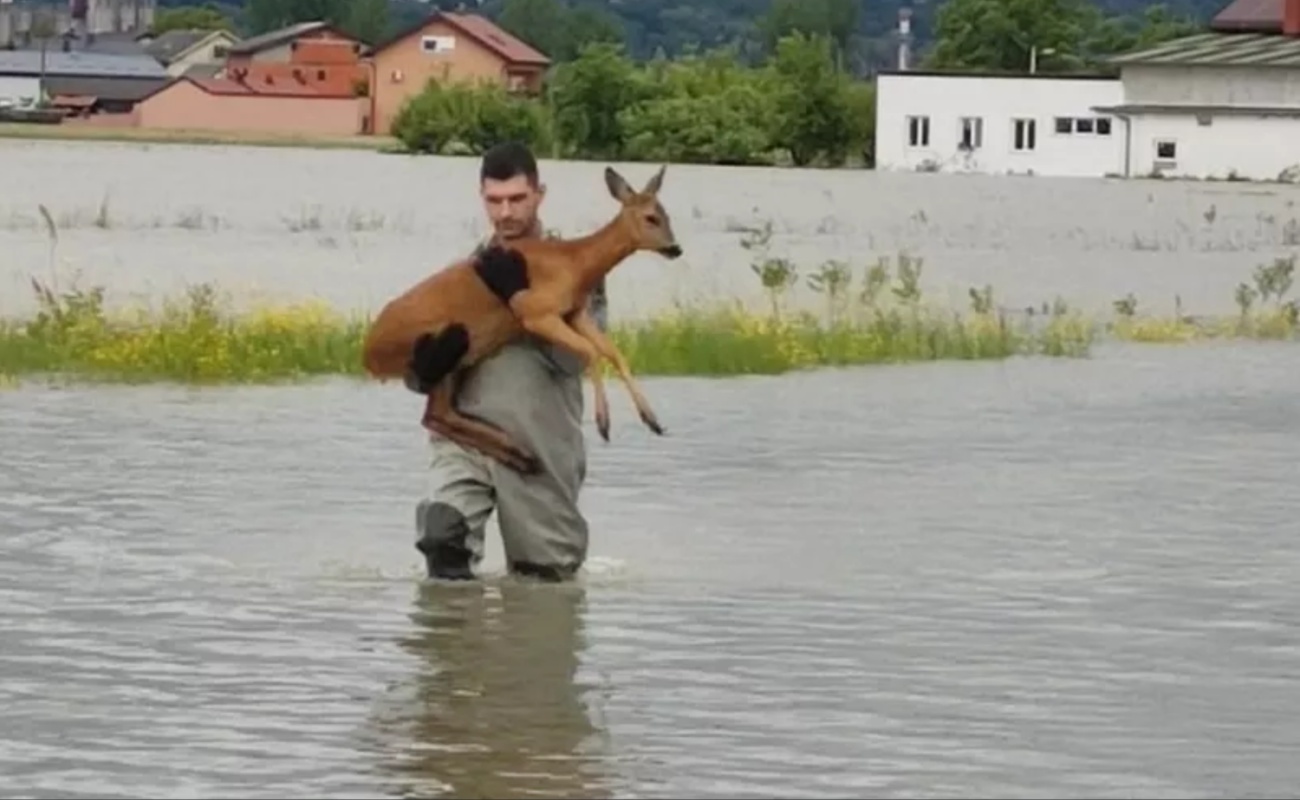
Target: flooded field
{"points": [[1031, 578], [355, 227]]}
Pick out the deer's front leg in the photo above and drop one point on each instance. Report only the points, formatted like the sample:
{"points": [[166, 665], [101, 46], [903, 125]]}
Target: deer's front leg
{"points": [[552, 327], [585, 325]]}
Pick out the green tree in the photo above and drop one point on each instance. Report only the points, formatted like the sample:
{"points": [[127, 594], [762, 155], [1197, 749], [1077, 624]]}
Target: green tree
{"points": [[584, 26], [540, 23], [813, 111], [267, 15], [836, 19], [470, 116], [999, 35], [191, 18], [367, 20], [558, 30], [703, 109], [587, 94], [862, 121], [1128, 33]]}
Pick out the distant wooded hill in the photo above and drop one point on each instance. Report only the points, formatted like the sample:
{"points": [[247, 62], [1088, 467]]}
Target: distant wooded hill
{"points": [[864, 29]]}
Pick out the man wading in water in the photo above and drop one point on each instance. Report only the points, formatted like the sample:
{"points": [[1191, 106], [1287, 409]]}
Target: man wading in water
{"points": [[533, 391]]}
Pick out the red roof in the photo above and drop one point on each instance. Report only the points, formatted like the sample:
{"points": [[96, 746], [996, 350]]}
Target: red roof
{"points": [[73, 100], [504, 44], [482, 30], [228, 87], [1256, 16]]}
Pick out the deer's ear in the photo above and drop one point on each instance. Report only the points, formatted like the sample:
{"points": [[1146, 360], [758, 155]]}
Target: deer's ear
{"points": [[617, 186], [656, 182]]}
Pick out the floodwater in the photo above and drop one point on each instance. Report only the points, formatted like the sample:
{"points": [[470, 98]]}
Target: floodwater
{"points": [[1036, 578], [1041, 578], [356, 227]]}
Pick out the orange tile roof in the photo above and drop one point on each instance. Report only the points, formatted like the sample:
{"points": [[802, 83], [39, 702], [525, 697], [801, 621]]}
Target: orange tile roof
{"points": [[226, 86], [73, 100], [489, 33], [481, 29]]}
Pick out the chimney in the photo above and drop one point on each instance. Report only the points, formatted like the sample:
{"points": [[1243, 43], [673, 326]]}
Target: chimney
{"points": [[905, 36], [1291, 17]]}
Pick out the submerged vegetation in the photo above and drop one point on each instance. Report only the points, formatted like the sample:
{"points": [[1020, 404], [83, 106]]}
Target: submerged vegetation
{"points": [[868, 314], [203, 339], [1265, 311]]}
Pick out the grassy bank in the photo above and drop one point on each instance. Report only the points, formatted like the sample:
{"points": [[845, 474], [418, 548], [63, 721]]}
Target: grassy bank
{"points": [[201, 338], [20, 130], [876, 317]]}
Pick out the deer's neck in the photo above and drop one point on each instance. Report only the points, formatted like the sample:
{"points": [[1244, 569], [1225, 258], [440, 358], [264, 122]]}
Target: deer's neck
{"points": [[596, 254]]}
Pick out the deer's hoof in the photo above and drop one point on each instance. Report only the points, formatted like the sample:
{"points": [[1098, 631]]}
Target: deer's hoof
{"points": [[652, 423]]}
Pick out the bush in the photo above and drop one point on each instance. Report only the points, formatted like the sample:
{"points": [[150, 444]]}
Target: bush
{"points": [[473, 116]]}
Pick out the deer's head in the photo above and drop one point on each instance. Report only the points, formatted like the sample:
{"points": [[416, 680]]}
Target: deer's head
{"points": [[645, 217]]}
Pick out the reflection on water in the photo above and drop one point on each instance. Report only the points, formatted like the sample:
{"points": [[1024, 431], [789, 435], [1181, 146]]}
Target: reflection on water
{"points": [[493, 709]]}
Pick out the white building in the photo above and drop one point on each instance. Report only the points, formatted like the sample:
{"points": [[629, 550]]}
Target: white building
{"points": [[19, 91], [1214, 105], [1036, 124]]}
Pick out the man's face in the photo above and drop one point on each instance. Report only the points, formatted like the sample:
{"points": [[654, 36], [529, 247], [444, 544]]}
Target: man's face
{"points": [[512, 205]]}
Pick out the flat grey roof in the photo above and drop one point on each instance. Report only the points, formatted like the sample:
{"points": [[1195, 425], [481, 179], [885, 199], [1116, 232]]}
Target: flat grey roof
{"points": [[1219, 50], [100, 65]]}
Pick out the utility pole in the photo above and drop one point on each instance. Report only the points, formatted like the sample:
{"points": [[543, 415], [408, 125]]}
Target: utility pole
{"points": [[42, 26]]}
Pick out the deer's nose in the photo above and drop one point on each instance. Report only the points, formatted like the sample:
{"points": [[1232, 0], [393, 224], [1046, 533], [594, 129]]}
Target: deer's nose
{"points": [[671, 251]]}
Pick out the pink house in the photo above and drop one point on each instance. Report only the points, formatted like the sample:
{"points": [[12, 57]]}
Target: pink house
{"points": [[221, 104]]}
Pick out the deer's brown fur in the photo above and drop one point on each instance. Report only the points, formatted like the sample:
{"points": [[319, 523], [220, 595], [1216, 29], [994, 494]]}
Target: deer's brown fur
{"points": [[472, 308]]}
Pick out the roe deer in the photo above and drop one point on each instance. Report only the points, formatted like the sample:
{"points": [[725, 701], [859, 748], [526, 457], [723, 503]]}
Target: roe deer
{"points": [[470, 309]]}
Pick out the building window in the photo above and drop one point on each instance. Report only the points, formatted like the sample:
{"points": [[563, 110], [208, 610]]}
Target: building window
{"points": [[1023, 135], [971, 133], [1166, 150], [438, 44], [1092, 126], [918, 131]]}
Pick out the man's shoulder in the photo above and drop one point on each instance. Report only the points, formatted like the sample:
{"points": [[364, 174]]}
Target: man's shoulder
{"points": [[486, 241]]}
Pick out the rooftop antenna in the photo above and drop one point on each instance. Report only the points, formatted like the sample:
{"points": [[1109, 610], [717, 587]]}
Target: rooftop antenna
{"points": [[904, 38]]}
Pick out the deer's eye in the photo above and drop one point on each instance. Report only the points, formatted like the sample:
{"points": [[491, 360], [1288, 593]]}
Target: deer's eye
{"points": [[652, 219]]}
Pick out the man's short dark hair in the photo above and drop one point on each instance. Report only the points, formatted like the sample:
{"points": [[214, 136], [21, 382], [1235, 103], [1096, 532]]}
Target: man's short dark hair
{"points": [[506, 160]]}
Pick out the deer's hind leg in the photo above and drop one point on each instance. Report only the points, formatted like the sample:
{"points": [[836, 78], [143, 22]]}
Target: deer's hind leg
{"points": [[441, 417], [433, 370]]}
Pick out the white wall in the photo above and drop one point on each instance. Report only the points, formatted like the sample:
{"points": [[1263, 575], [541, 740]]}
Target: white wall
{"points": [[997, 101], [1252, 147], [1204, 85], [203, 55], [19, 91]]}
